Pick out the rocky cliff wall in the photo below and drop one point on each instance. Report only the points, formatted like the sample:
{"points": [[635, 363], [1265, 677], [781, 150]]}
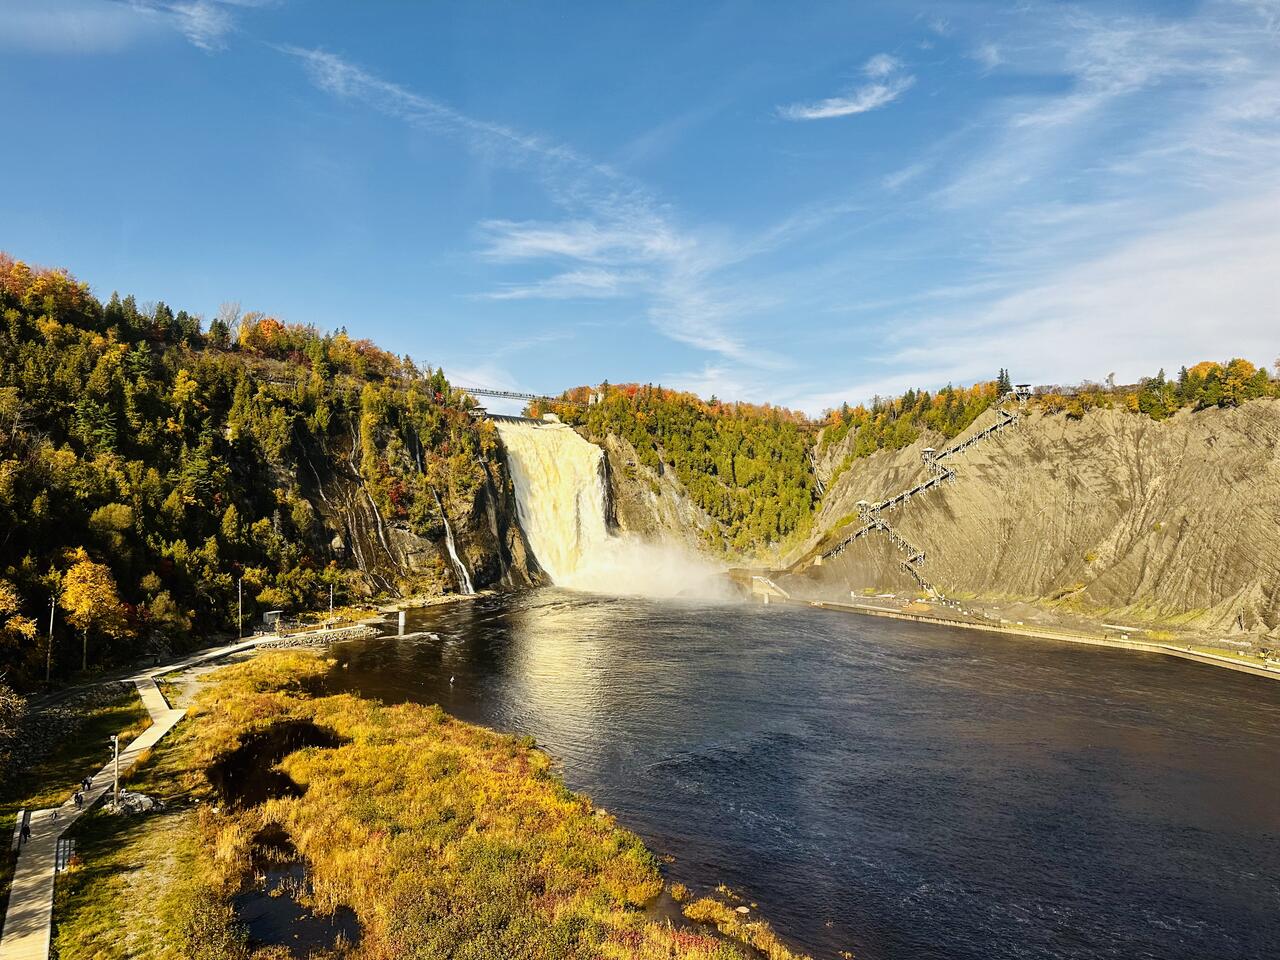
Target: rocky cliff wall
{"points": [[392, 559], [1111, 515], [650, 503]]}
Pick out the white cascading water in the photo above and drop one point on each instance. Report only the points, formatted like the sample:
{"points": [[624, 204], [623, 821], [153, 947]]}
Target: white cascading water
{"points": [[459, 568], [560, 490]]}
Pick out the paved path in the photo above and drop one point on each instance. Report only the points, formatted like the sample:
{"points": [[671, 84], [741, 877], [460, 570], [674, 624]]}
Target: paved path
{"points": [[28, 923]]}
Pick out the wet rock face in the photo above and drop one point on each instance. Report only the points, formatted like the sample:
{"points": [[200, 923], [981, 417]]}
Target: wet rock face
{"points": [[392, 558], [652, 504], [244, 777], [489, 537]]}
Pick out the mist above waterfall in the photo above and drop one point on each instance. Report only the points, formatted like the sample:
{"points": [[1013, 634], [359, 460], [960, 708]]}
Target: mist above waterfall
{"points": [[561, 496]]}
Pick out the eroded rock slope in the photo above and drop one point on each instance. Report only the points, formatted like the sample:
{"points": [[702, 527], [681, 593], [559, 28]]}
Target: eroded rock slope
{"points": [[1113, 514]]}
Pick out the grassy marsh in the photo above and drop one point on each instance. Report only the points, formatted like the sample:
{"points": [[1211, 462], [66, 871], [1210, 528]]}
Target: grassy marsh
{"points": [[446, 839]]}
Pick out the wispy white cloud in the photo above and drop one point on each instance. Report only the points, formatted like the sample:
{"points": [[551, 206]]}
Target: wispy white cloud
{"points": [[720, 380], [343, 79], [988, 55], [641, 237], [205, 23], [586, 284], [888, 83], [112, 26], [866, 98], [881, 65], [71, 26], [904, 175], [1200, 71], [615, 241], [1123, 217], [1200, 287]]}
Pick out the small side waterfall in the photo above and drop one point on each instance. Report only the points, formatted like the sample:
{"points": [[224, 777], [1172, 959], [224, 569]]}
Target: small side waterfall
{"points": [[459, 568], [562, 498]]}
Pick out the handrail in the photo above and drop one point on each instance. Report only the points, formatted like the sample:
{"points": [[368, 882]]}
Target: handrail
{"points": [[871, 513], [293, 631]]}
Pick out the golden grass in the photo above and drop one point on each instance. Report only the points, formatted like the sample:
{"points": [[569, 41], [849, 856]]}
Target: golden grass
{"points": [[742, 927], [447, 840]]}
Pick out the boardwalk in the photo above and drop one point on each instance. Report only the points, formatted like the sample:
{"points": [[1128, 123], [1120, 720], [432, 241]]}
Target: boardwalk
{"points": [[28, 921]]}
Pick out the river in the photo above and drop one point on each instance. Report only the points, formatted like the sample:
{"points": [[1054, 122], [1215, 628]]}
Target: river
{"points": [[892, 789]]}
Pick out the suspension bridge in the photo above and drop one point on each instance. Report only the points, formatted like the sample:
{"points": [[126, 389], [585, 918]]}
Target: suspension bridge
{"points": [[526, 397]]}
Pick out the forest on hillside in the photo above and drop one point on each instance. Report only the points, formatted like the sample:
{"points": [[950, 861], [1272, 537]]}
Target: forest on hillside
{"points": [[751, 467], [894, 423], [747, 466], [150, 467]]}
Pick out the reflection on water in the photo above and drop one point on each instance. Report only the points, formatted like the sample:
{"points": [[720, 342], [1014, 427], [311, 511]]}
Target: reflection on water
{"points": [[894, 789]]}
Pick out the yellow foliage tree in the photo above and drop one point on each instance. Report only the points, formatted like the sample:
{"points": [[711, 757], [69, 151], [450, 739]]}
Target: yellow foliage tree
{"points": [[13, 626], [186, 392], [89, 596]]}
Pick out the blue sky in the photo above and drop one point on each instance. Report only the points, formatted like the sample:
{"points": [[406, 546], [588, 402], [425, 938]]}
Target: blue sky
{"points": [[798, 204]]}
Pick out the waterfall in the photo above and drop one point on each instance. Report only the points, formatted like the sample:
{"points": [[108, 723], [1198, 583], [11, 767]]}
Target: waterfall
{"points": [[561, 499], [459, 568], [560, 494]]}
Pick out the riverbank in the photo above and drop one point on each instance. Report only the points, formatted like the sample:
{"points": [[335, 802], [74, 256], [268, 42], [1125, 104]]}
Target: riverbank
{"points": [[1063, 636], [379, 831], [420, 601]]}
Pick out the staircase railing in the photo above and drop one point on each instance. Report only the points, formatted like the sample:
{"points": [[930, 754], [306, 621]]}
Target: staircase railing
{"points": [[869, 513]]}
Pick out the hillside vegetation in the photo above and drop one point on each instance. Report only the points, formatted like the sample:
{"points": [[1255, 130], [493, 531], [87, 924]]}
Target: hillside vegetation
{"points": [[748, 467], [148, 464], [895, 423], [758, 479], [152, 464]]}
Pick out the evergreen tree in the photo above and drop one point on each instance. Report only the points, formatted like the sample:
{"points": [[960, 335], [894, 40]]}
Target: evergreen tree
{"points": [[219, 334]]}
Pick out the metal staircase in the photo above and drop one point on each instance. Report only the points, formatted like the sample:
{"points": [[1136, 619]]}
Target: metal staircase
{"points": [[939, 473]]}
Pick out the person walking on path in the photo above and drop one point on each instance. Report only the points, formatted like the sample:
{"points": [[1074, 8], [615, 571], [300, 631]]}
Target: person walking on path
{"points": [[78, 797], [24, 832], [86, 784]]}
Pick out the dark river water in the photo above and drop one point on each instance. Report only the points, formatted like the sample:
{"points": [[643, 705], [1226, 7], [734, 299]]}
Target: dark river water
{"points": [[893, 789]]}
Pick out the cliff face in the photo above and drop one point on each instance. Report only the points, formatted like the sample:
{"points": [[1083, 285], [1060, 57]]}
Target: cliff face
{"points": [[652, 504], [391, 558], [1111, 515]]}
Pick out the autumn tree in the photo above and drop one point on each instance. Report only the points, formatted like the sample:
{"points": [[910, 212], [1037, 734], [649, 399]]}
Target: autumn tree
{"points": [[12, 709], [90, 598], [16, 630]]}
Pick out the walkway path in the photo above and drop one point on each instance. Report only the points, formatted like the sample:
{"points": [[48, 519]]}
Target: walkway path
{"points": [[28, 923]]}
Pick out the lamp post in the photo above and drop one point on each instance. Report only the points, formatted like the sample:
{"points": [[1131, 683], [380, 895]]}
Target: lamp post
{"points": [[115, 756], [48, 650], [239, 608]]}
